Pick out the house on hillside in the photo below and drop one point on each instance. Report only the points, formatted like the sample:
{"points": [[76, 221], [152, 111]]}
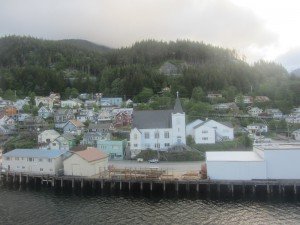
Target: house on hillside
{"points": [[122, 119], [45, 112], [46, 137], [71, 103], [62, 116], [275, 113], [261, 99], [255, 111], [257, 128], [64, 142], [91, 138], [157, 129], [111, 102], [44, 101], [245, 99], [74, 127], [88, 162], [113, 148], [103, 128], [190, 127]]}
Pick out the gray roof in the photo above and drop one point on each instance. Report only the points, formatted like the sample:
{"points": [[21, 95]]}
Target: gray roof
{"points": [[99, 126], [151, 119], [178, 107], [35, 153], [68, 136]]}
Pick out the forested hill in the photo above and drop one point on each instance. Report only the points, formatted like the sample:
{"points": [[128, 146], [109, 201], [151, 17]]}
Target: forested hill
{"points": [[34, 65]]}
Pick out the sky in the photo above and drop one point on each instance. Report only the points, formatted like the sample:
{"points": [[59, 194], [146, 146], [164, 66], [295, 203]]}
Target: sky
{"points": [[257, 29]]}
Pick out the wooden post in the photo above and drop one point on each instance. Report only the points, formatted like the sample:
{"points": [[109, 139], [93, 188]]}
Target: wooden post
{"points": [[164, 186], [244, 190], [129, 185], [53, 182], [177, 187], [208, 188], [232, 190], [20, 180], [141, 186], [120, 185], [27, 179], [61, 183], [268, 189], [197, 188], [151, 186], [82, 184], [73, 183], [102, 184], [93, 184], [14, 177], [295, 189]]}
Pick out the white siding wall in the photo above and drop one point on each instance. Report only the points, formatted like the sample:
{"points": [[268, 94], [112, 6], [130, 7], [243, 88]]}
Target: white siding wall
{"points": [[283, 164], [25, 166], [156, 143], [204, 135], [231, 170], [76, 166]]}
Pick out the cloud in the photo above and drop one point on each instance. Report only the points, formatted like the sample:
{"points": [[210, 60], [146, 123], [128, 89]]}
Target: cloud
{"points": [[290, 59], [122, 22]]}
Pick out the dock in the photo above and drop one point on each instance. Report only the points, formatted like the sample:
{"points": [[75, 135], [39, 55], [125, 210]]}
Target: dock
{"points": [[204, 187]]}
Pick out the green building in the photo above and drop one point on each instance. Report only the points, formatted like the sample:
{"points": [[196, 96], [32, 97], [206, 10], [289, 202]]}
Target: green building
{"points": [[115, 149]]}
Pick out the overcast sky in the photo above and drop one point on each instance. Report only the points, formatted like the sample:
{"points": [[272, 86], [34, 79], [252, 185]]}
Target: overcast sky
{"points": [[257, 29]]}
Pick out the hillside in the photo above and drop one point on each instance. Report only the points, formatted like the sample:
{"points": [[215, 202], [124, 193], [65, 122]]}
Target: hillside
{"points": [[34, 65]]}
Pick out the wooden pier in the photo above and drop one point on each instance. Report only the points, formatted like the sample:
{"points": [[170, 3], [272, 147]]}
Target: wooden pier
{"points": [[203, 187]]}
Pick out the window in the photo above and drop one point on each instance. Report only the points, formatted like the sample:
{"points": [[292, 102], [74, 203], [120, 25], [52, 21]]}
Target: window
{"points": [[205, 138], [41, 169], [167, 135], [40, 160], [157, 145], [17, 158], [147, 135], [49, 160], [167, 144], [204, 131], [135, 145], [54, 144], [30, 159], [156, 135], [23, 167], [7, 158], [135, 136]]}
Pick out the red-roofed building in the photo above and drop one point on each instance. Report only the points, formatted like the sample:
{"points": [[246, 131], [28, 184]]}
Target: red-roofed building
{"points": [[88, 162]]}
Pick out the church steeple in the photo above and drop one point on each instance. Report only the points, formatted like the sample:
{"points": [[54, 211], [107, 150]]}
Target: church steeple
{"points": [[177, 106]]}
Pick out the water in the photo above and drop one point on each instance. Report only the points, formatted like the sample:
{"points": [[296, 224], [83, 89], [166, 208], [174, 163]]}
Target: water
{"points": [[46, 206]]}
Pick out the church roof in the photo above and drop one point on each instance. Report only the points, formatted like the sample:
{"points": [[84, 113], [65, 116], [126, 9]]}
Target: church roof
{"points": [[178, 107], [152, 119]]}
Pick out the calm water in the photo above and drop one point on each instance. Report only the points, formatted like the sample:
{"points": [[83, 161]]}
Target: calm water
{"points": [[50, 207]]}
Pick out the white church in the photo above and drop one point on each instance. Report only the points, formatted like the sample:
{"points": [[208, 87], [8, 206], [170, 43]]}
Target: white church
{"points": [[157, 129]]}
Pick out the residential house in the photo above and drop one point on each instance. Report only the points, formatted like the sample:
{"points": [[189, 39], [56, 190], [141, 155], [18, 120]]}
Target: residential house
{"points": [[257, 128], [212, 96], [90, 104], [71, 103], [45, 112], [129, 102], [44, 101], [211, 131], [33, 124], [104, 116], [293, 119], [114, 149], [36, 161], [103, 128], [10, 111], [296, 135], [62, 116], [226, 106], [85, 115], [5, 103], [88, 162], [275, 113], [20, 103], [22, 116], [245, 99], [46, 137], [111, 101], [122, 119], [157, 129], [64, 142], [3, 118], [255, 111], [91, 138], [74, 127], [56, 99], [261, 99]]}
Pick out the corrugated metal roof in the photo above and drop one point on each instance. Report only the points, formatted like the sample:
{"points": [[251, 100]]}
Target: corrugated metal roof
{"points": [[35, 153]]}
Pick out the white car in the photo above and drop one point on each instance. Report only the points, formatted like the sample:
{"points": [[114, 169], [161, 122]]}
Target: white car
{"points": [[153, 161]]}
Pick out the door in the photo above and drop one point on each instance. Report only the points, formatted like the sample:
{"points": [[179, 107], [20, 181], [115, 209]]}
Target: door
{"points": [[76, 170]]}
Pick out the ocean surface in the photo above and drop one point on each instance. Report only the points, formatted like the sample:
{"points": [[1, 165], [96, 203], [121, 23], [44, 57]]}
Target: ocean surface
{"points": [[47, 206]]}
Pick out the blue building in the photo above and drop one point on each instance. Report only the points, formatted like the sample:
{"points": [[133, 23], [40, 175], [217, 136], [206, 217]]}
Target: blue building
{"points": [[115, 149]]}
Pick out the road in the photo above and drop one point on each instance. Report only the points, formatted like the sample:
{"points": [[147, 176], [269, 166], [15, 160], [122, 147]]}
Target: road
{"points": [[181, 167]]}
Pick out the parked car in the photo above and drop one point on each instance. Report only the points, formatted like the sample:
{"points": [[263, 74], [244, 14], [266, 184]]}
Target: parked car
{"points": [[153, 161], [140, 160]]}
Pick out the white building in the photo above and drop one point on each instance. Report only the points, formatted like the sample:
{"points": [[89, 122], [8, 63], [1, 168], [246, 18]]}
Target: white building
{"points": [[190, 127], [257, 128], [273, 161], [46, 137], [157, 129], [36, 161], [255, 111], [88, 162], [71, 103], [210, 132]]}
